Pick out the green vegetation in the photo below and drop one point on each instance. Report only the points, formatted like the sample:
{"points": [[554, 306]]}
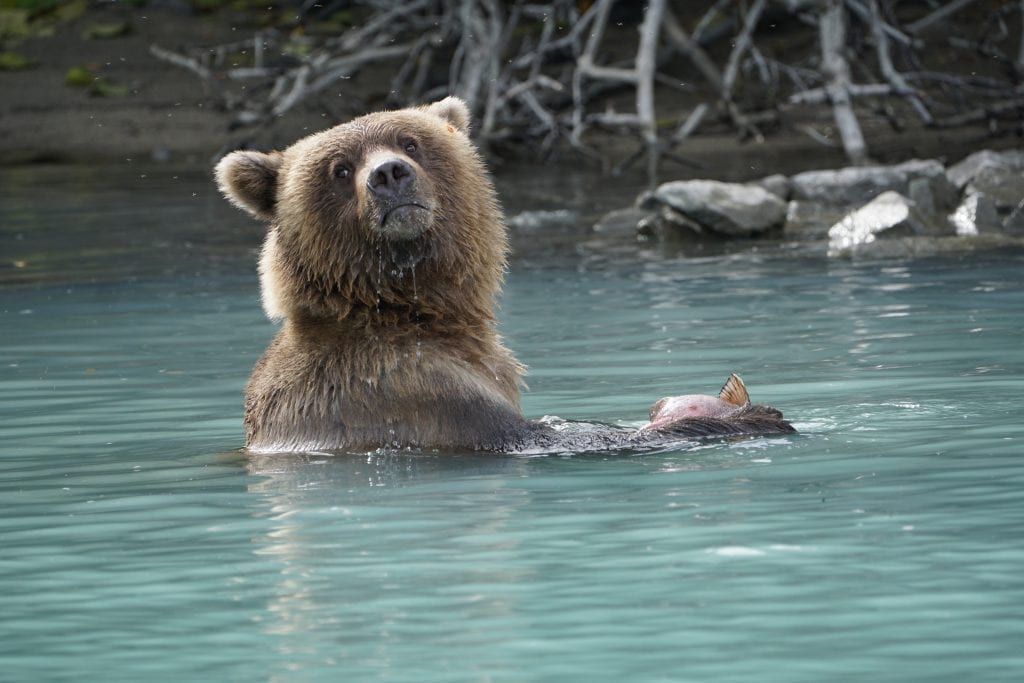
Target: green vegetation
{"points": [[25, 18], [13, 61], [79, 77], [107, 31], [85, 77]]}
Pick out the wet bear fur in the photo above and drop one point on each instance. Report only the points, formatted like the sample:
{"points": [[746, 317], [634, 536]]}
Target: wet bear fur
{"points": [[386, 294], [385, 251]]}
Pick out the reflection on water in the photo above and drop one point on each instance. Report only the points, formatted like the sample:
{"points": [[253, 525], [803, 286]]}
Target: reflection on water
{"points": [[138, 543]]}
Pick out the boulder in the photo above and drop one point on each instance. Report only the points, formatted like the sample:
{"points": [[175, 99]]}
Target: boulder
{"points": [[777, 184], [724, 208], [889, 215], [668, 225], [1014, 223], [810, 220], [621, 222], [910, 209], [1004, 186], [917, 247], [855, 185], [935, 195], [976, 214], [966, 170]]}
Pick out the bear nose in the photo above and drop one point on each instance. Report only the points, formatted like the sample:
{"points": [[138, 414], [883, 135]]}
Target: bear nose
{"points": [[390, 178]]}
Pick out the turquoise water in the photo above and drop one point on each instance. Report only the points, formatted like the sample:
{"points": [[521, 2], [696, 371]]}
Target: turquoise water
{"points": [[884, 542]]}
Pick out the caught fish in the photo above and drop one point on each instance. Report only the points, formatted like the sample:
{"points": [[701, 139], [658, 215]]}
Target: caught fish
{"points": [[731, 412]]}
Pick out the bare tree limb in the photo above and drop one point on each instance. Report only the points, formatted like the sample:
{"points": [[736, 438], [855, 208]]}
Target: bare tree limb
{"points": [[982, 113], [740, 47], [941, 13], [896, 80], [536, 71], [692, 49], [708, 18], [646, 62], [691, 123], [180, 60], [357, 38], [832, 33], [821, 95], [599, 13], [867, 15]]}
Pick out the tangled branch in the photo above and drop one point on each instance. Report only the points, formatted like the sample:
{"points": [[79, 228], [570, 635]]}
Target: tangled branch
{"points": [[543, 73]]}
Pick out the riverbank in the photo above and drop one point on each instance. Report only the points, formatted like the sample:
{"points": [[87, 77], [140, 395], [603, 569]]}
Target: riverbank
{"points": [[127, 104]]}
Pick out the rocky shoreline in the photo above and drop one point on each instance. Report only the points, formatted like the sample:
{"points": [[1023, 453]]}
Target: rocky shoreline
{"points": [[151, 112], [915, 208]]}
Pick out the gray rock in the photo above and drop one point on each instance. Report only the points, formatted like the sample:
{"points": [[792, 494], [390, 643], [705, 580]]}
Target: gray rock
{"points": [[963, 172], [917, 247], [919, 191], [724, 208], [934, 196], [1014, 223], [623, 222], [855, 185], [668, 225], [648, 201], [1004, 186], [810, 220], [889, 215], [777, 184], [976, 214]]}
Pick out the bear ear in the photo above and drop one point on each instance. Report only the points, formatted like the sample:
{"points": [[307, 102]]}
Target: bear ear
{"points": [[249, 181], [453, 110]]}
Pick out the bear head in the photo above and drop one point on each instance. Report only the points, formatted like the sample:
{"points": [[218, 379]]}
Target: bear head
{"points": [[392, 211]]}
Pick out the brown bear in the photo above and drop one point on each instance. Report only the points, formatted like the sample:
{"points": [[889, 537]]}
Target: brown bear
{"points": [[385, 252]]}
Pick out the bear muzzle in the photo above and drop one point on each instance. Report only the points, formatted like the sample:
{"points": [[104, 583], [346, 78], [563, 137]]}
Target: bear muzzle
{"points": [[403, 211]]}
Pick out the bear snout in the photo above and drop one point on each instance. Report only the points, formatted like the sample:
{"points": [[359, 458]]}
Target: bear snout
{"points": [[391, 178], [401, 204]]}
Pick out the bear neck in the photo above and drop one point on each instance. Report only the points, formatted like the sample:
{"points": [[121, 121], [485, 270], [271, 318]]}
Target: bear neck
{"points": [[363, 294], [391, 320]]}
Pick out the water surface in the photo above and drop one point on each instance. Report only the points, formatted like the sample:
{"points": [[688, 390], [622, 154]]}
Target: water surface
{"points": [[883, 542]]}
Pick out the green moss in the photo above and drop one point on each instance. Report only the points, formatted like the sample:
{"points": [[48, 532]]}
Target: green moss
{"points": [[69, 11], [107, 31], [79, 77], [12, 61], [101, 87], [13, 23], [33, 7], [298, 47]]}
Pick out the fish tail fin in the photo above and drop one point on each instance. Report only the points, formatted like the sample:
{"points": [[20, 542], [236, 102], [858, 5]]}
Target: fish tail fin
{"points": [[734, 391]]}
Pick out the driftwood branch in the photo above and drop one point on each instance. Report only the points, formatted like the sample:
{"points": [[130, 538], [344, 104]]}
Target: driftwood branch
{"points": [[869, 16], [895, 78], [646, 62], [538, 72], [832, 34], [821, 95], [740, 47], [945, 10], [994, 110], [692, 49], [180, 60]]}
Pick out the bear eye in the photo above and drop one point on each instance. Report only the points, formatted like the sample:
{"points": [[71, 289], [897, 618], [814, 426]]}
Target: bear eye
{"points": [[410, 147], [342, 172]]}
